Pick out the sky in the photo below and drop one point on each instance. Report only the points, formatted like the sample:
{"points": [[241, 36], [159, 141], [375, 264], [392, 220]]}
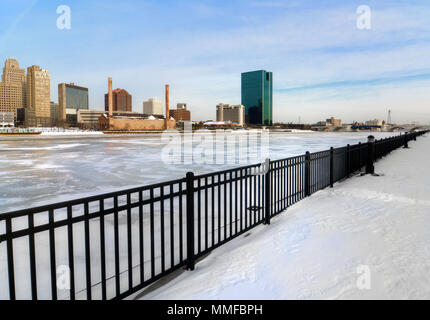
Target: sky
{"points": [[323, 65]]}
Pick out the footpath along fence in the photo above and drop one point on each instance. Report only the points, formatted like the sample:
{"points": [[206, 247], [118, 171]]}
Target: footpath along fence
{"points": [[112, 245]]}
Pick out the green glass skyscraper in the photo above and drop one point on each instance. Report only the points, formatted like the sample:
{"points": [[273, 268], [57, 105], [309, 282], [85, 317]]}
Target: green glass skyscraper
{"points": [[257, 93]]}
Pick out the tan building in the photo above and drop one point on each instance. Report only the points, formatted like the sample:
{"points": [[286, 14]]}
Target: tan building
{"points": [[12, 87], [38, 110], [233, 113], [89, 119], [152, 106], [334, 122], [374, 123]]}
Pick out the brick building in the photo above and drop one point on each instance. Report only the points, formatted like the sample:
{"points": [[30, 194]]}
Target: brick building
{"points": [[121, 101]]}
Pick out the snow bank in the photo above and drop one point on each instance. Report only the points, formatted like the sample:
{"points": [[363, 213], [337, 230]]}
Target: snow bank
{"points": [[319, 248]]}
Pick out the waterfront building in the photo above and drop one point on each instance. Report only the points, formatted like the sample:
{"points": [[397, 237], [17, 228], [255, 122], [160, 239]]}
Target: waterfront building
{"points": [[152, 106], [181, 113], [12, 88], [121, 101], [334, 122], [7, 119], [126, 120], [88, 119], [257, 94], [377, 123], [70, 99], [233, 113], [38, 106]]}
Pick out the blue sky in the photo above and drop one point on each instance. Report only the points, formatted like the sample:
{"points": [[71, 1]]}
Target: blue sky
{"points": [[323, 64]]}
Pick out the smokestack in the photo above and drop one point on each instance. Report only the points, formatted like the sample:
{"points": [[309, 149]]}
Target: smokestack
{"points": [[110, 103], [167, 105]]}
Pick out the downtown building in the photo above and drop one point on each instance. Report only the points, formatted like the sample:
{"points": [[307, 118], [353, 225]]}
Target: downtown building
{"points": [[12, 88], [153, 107], [257, 97], [121, 101], [180, 113], [38, 106], [230, 113], [71, 99]]}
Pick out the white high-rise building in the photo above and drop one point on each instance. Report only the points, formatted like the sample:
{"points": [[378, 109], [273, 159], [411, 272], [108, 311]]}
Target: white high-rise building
{"points": [[153, 106]]}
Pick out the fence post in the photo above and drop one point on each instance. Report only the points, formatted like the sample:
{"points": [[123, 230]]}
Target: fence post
{"points": [[370, 168], [331, 167], [405, 146], [348, 160], [267, 191], [190, 220], [308, 174]]}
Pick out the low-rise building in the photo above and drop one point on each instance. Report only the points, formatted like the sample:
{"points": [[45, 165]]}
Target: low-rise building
{"points": [[181, 113], [88, 119], [7, 119], [375, 122], [334, 122]]}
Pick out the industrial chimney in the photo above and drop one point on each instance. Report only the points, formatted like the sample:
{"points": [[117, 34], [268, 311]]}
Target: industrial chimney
{"points": [[110, 102], [167, 106]]}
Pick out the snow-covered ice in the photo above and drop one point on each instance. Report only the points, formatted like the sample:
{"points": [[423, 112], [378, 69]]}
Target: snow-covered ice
{"points": [[319, 247], [46, 169]]}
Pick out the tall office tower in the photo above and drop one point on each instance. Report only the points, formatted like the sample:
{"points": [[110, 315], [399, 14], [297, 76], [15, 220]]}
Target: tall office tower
{"points": [[12, 87], [121, 101], [257, 93], [70, 99], [38, 109], [153, 106]]}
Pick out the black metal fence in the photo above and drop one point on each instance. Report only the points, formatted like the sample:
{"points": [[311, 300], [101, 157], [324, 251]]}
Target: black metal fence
{"points": [[112, 245]]}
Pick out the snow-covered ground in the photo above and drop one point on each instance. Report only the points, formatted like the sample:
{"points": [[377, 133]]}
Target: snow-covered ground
{"points": [[367, 238]]}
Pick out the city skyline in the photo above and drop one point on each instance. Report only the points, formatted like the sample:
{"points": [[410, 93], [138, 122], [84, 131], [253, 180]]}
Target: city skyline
{"points": [[323, 64]]}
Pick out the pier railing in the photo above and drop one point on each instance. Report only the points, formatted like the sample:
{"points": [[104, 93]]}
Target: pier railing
{"points": [[113, 245]]}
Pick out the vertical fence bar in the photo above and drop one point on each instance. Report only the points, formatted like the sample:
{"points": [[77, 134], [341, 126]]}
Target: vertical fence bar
{"points": [[32, 249], [102, 249], [163, 249], [267, 193], [152, 231], [116, 245], [206, 214], [129, 244], [190, 221], [348, 160], [10, 261], [71, 252], [181, 230], [308, 174], [172, 229], [52, 256], [87, 251], [141, 241], [199, 216], [331, 167], [225, 204]]}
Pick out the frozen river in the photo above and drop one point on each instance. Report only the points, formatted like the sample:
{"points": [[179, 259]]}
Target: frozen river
{"points": [[40, 170]]}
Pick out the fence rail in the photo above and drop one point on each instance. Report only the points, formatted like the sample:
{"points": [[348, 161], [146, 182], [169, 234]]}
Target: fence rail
{"points": [[112, 245]]}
